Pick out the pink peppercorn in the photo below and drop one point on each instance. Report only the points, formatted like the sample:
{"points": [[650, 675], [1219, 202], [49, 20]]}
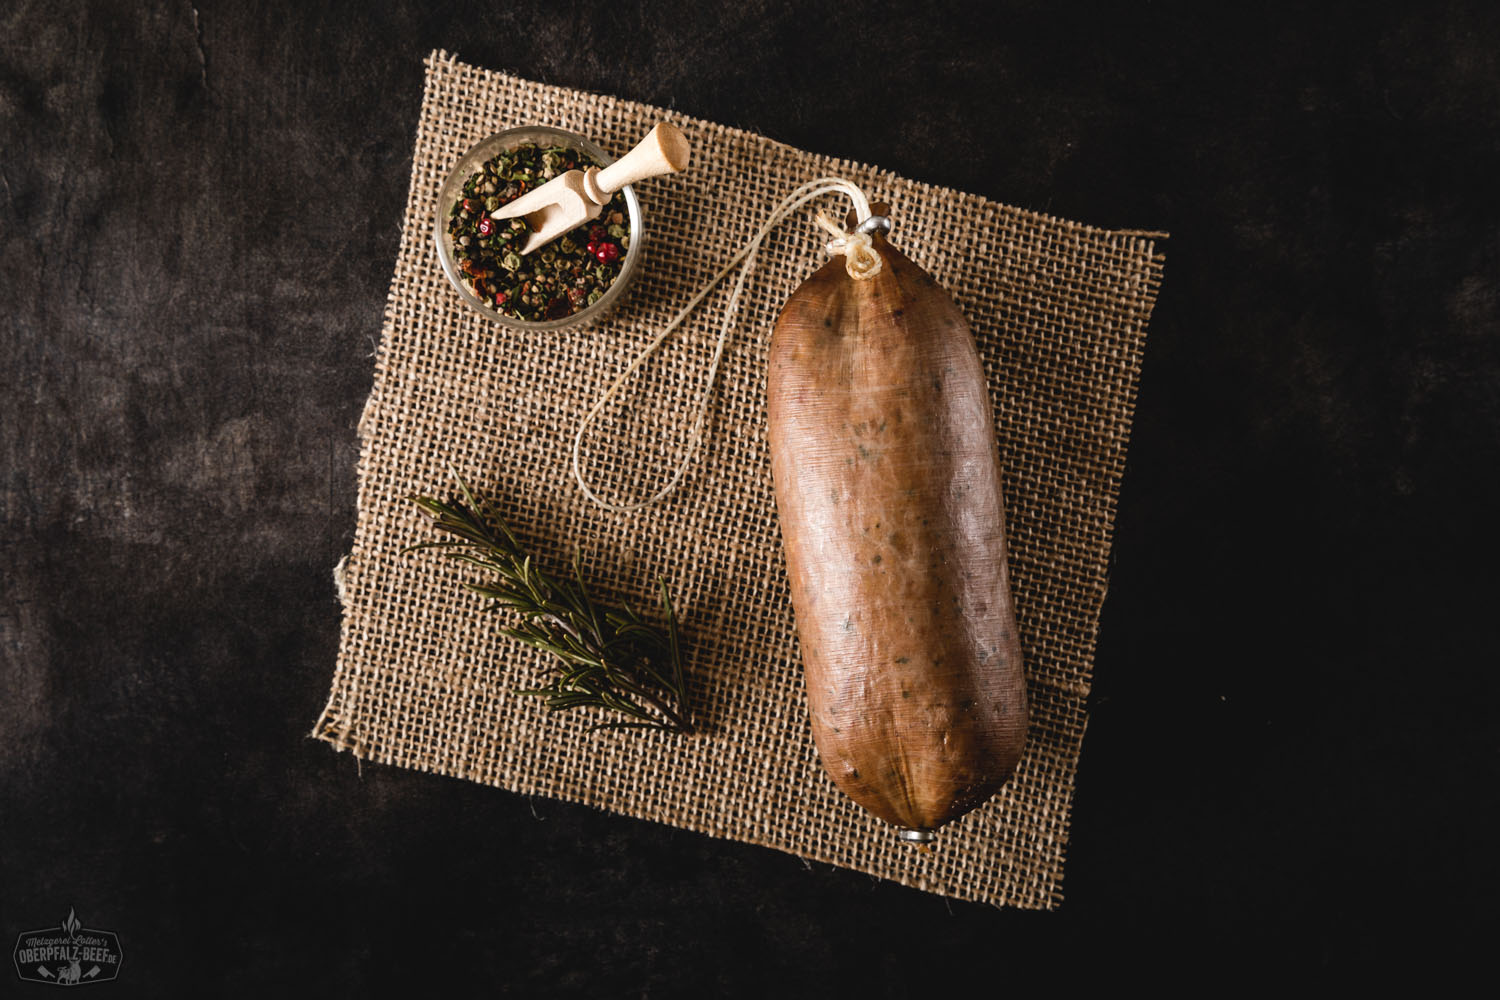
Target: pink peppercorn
{"points": [[486, 226], [607, 252]]}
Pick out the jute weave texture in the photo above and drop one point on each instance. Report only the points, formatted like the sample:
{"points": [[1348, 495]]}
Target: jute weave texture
{"points": [[424, 681]]}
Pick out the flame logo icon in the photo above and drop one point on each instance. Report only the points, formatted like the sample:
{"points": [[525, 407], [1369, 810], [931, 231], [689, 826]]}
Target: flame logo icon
{"points": [[78, 955]]}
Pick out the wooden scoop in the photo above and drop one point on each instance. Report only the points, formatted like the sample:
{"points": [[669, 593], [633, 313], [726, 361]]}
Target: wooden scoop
{"points": [[577, 196]]}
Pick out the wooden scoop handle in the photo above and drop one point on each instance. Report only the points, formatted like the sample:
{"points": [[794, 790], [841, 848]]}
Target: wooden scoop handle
{"points": [[663, 151]]}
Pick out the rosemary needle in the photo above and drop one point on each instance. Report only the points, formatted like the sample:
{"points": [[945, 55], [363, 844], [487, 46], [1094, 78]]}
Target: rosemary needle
{"points": [[603, 657]]}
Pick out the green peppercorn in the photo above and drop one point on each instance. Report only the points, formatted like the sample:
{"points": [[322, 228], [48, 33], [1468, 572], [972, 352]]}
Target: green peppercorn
{"points": [[563, 276]]}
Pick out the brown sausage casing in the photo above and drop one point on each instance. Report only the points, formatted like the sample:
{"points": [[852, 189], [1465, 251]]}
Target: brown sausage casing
{"points": [[888, 491]]}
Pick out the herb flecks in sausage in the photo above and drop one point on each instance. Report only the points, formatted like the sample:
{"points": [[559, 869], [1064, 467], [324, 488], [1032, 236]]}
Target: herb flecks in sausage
{"points": [[888, 488]]}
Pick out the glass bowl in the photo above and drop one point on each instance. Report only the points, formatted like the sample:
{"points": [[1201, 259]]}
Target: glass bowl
{"points": [[452, 190]]}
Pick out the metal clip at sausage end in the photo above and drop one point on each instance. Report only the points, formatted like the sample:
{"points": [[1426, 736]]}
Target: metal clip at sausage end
{"points": [[874, 224], [916, 836]]}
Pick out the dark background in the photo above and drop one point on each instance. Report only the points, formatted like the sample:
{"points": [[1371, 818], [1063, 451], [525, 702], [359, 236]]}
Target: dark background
{"points": [[1291, 764]]}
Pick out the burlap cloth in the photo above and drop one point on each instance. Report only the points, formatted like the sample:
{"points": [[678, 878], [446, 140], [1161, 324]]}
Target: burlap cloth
{"points": [[423, 680]]}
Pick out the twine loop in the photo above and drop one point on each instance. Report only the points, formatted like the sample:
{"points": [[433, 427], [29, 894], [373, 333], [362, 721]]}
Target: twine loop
{"points": [[860, 259]]}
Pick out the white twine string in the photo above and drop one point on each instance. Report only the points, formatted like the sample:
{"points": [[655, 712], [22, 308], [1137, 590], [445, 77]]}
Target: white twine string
{"points": [[860, 258]]}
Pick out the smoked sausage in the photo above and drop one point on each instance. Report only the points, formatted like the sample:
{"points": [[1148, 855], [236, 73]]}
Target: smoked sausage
{"points": [[887, 483]]}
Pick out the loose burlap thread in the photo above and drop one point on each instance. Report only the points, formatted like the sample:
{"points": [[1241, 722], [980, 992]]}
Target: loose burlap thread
{"points": [[424, 680]]}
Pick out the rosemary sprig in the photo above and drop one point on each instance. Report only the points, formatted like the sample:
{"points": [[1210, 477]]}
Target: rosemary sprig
{"points": [[605, 657]]}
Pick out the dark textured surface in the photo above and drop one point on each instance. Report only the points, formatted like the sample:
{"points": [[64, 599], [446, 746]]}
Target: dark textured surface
{"points": [[198, 219]]}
